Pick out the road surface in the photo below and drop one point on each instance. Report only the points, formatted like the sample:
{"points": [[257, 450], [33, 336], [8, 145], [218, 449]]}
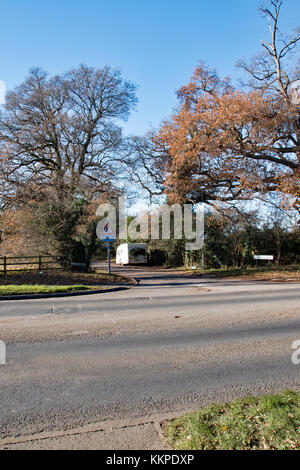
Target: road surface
{"points": [[173, 343]]}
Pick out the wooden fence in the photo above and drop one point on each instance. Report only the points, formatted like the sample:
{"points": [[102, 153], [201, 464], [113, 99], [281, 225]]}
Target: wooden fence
{"points": [[30, 263]]}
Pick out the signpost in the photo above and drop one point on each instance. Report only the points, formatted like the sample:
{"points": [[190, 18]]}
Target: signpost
{"points": [[108, 236], [263, 257]]}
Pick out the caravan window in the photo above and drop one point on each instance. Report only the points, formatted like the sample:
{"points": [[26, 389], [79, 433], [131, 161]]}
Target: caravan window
{"points": [[136, 252]]}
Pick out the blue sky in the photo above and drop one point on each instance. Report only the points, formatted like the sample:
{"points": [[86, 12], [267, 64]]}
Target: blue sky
{"points": [[155, 43]]}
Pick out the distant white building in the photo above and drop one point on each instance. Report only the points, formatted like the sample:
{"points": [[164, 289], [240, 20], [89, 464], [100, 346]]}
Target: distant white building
{"points": [[132, 253], [2, 92], [295, 92]]}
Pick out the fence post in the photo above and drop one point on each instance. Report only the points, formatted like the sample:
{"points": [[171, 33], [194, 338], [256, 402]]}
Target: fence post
{"points": [[40, 263], [4, 266]]}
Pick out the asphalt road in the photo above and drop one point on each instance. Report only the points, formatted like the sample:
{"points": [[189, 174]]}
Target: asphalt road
{"points": [[173, 343]]}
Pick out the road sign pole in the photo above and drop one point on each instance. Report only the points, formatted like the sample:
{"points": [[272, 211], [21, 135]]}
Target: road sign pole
{"points": [[107, 235], [108, 257]]}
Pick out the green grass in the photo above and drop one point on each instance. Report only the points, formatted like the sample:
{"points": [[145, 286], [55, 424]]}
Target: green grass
{"points": [[260, 423], [40, 289]]}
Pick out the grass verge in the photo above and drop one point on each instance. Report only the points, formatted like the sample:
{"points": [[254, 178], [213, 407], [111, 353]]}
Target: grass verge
{"points": [[61, 278], [41, 289], [251, 273], [267, 422]]}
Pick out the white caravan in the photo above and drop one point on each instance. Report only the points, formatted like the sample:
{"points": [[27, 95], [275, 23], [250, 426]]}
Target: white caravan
{"points": [[132, 253]]}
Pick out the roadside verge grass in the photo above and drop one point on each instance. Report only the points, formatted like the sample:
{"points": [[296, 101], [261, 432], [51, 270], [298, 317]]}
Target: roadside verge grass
{"points": [[259, 423], [266, 273], [61, 278], [41, 289]]}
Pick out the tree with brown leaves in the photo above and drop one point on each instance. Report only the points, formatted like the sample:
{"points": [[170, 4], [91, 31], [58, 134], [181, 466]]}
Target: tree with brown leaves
{"points": [[226, 144]]}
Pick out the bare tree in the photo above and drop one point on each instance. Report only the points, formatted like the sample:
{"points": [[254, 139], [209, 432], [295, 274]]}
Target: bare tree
{"points": [[143, 161], [61, 132], [272, 70], [61, 144]]}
